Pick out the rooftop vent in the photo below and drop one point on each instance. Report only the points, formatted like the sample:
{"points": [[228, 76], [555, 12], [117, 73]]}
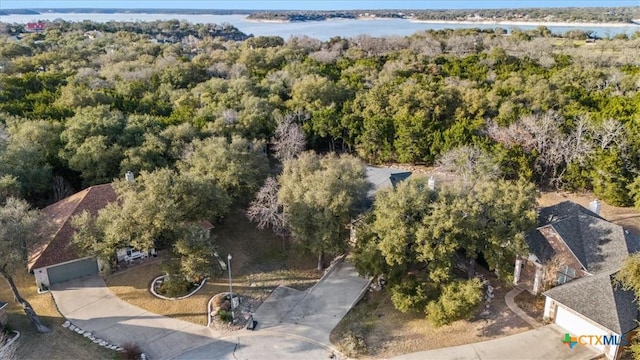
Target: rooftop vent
{"points": [[595, 206], [431, 183], [129, 176]]}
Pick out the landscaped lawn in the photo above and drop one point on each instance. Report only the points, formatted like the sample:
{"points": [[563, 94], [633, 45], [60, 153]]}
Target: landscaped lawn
{"points": [[61, 343], [259, 264], [386, 332]]}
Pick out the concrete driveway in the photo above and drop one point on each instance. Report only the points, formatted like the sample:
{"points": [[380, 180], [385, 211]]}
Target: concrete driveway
{"points": [[313, 313], [544, 343], [89, 304], [291, 324], [294, 324]]}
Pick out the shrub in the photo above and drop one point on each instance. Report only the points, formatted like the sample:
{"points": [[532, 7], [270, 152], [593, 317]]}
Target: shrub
{"points": [[457, 301], [131, 352], [352, 344], [174, 286], [225, 315], [411, 295]]}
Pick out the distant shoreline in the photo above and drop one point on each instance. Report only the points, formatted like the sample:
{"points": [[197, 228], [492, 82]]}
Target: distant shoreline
{"points": [[484, 22], [268, 21], [460, 22], [524, 23]]}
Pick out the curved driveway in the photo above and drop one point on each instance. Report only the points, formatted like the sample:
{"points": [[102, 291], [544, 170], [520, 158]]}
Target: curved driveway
{"points": [[88, 304], [300, 330]]}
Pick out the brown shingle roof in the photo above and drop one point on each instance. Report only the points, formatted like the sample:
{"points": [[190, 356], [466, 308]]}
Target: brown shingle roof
{"points": [[55, 249]]}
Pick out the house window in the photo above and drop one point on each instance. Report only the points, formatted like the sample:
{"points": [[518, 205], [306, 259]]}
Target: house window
{"points": [[566, 274]]}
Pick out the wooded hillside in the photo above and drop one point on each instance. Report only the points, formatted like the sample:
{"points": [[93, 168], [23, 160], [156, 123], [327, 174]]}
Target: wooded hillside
{"points": [[82, 104]]}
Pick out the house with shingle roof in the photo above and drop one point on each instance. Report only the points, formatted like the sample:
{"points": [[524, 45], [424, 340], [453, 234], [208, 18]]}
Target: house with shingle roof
{"points": [[53, 259], [577, 253]]}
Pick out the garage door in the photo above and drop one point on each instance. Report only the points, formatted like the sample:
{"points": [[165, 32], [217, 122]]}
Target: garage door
{"points": [[577, 326], [72, 270]]}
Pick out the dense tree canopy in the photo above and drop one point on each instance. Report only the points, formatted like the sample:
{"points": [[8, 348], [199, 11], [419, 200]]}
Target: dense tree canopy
{"points": [[195, 111], [418, 238], [237, 167], [87, 102], [153, 211], [314, 200]]}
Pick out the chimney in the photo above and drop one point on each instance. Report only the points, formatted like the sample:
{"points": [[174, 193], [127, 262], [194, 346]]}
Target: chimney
{"points": [[129, 176], [431, 183], [595, 206]]}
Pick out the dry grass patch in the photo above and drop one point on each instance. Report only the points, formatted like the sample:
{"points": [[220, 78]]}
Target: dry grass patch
{"points": [[61, 343], [133, 285], [259, 264], [531, 304], [387, 332]]}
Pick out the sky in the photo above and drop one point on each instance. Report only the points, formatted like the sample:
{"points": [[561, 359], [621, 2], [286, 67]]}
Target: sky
{"points": [[309, 4]]}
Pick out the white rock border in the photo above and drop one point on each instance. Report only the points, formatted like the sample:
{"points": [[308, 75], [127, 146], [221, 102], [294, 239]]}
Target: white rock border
{"points": [[15, 337], [209, 308], [153, 290], [68, 325]]}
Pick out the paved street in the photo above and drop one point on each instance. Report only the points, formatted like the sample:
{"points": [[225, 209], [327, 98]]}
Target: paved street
{"points": [[543, 343]]}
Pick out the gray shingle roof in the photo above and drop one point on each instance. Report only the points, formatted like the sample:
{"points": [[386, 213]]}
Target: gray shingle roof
{"points": [[550, 214], [601, 247], [398, 177], [381, 178], [599, 299], [539, 246], [598, 245]]}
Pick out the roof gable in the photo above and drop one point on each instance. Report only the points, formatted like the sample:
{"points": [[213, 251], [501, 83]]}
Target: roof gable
{"points": [[55, 248], [381, 178], [568, 229], [599, 299], [539, 246], [551, 214], [598, 245]]}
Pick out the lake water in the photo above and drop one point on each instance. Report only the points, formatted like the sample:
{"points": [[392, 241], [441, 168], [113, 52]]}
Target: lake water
{"points": [[322, 30]]}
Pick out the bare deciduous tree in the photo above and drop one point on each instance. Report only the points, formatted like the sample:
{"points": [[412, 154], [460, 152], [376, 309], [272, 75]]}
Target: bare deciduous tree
{"points": [[470, 164], [266, 210], [325, 56], [578, 144], [610, 132], [289, 140], [555, 146], [541, 133], [463, 44]]}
